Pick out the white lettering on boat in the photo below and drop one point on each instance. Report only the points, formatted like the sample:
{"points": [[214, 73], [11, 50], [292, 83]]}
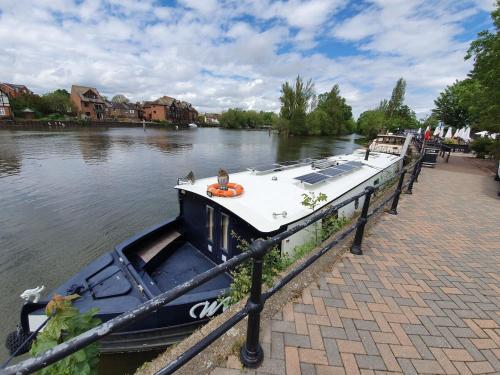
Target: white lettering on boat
{"points": [[207, 309]]}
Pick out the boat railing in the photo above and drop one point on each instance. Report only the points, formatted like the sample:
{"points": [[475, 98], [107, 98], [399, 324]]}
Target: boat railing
{"points": [[251, 354]]}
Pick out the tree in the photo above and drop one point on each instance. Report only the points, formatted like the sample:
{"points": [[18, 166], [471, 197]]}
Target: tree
{"points": [[397, 98], [338, 112], [235, 118], [371, 122], [295, 102], [57, 102], [485, 52], [455, 105], [120, 99]]}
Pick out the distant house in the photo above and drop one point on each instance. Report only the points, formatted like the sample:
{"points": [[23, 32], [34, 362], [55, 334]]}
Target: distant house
{"points": [[13, 91], [88, 102], [170, 109], [123, 111], [5, 109], [211, 118]]}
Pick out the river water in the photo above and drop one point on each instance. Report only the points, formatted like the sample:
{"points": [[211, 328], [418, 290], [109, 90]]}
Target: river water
{"points": [[67, 196]]}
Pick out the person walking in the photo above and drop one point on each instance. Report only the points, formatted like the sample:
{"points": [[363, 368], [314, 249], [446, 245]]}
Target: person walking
{"points": [[143, 124]]}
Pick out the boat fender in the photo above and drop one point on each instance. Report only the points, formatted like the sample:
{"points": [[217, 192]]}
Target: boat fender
{"points": [[34, 293], [15, 339]]}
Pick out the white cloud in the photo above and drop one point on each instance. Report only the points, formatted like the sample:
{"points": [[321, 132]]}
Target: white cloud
{"points": [[235, 53]]}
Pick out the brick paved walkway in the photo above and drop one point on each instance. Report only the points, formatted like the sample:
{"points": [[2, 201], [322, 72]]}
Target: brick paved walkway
{"points": [[424, 297]]}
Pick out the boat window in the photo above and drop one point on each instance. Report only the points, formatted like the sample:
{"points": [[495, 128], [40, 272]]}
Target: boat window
{"points": [[210, 223], [225, 232]]}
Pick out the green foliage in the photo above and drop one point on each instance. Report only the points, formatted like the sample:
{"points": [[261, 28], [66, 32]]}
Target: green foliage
{"points": [[304, 113], [389, 115], [371, 123], [120, 99], [432, 121], [485, 147], [235, 118], [331, 225], [485, 52], [67, 322], [455, 105], [311, 200], [475, 100], [57, 102], [274, 261], [273, 264], [295, 102]]}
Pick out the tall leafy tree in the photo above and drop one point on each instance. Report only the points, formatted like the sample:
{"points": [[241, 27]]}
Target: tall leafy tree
{"points": [[371, 122], [295, 102], [390, 114], [485, 52], [397, 98], [455, 105], [337, 111]]}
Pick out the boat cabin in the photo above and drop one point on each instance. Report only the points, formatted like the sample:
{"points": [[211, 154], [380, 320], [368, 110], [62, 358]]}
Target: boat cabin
{"points": [[271, 201], [389, 143]]}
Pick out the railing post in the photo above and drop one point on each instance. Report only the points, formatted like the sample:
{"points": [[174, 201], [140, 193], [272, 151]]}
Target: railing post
{"points": [[419, 169], [358, 238], [251, 354], [412, 178], [394, 206]]}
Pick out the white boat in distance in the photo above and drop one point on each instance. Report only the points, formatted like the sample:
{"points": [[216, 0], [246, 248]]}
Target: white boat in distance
{"points": [[193, 125]]}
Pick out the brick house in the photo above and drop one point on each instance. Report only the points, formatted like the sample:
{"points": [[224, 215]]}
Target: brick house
{"points": [[13, 90], [123, 111], [87, 102], [5, 109], [170, 109]]}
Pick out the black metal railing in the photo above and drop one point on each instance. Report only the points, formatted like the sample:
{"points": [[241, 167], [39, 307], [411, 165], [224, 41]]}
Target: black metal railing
{"points": [[251, 353]]}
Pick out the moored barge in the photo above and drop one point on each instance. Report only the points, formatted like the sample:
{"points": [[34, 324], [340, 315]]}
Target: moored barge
{"points": [[267, 200]]}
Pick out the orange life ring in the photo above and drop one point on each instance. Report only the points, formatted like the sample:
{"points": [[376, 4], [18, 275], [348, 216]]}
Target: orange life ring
{"points": [[233, 190]]}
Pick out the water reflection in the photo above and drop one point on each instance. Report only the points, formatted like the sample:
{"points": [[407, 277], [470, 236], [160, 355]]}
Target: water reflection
{"points": [[10, 156], [94, 146]]}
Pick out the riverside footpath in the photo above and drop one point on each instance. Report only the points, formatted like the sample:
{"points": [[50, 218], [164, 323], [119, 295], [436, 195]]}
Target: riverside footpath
{"points": [[424, 298]]}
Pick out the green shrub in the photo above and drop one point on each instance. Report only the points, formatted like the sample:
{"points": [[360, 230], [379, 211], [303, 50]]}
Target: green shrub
{"points": [[484, 147], [67, 322], [274, 261]]}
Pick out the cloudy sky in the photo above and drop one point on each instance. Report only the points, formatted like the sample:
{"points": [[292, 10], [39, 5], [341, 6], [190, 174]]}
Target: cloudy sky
{"points": [[236, 53]]}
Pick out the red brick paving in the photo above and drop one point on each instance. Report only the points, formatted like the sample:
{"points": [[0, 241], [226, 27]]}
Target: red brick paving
{"points": [[424, 298]]}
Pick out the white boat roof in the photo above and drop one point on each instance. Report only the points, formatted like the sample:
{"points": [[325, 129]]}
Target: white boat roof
{"points": [[264, 196]]}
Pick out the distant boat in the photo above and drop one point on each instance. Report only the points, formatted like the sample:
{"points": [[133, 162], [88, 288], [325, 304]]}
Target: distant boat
{"points": [[193, 125]]}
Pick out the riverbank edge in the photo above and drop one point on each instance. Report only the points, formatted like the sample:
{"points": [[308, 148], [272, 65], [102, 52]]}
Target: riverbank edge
{"points": [[72, 124], [229, 344]]}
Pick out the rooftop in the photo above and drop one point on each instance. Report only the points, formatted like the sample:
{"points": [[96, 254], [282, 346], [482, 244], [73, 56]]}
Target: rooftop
{"points": [[265, 195]]}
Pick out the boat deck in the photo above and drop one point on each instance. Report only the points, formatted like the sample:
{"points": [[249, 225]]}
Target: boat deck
{"points": [[182, 265]]}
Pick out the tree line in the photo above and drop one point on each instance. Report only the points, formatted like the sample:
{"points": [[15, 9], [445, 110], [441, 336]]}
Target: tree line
{"points": [[235, 118]]}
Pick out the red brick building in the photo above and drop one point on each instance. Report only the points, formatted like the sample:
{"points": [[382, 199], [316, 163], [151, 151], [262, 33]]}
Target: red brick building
{"points": [[87, 102], [13, 90], [170, 109]]}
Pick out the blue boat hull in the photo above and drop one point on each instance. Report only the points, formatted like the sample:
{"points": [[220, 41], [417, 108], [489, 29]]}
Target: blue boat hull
{"points": [[145, 265]]}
